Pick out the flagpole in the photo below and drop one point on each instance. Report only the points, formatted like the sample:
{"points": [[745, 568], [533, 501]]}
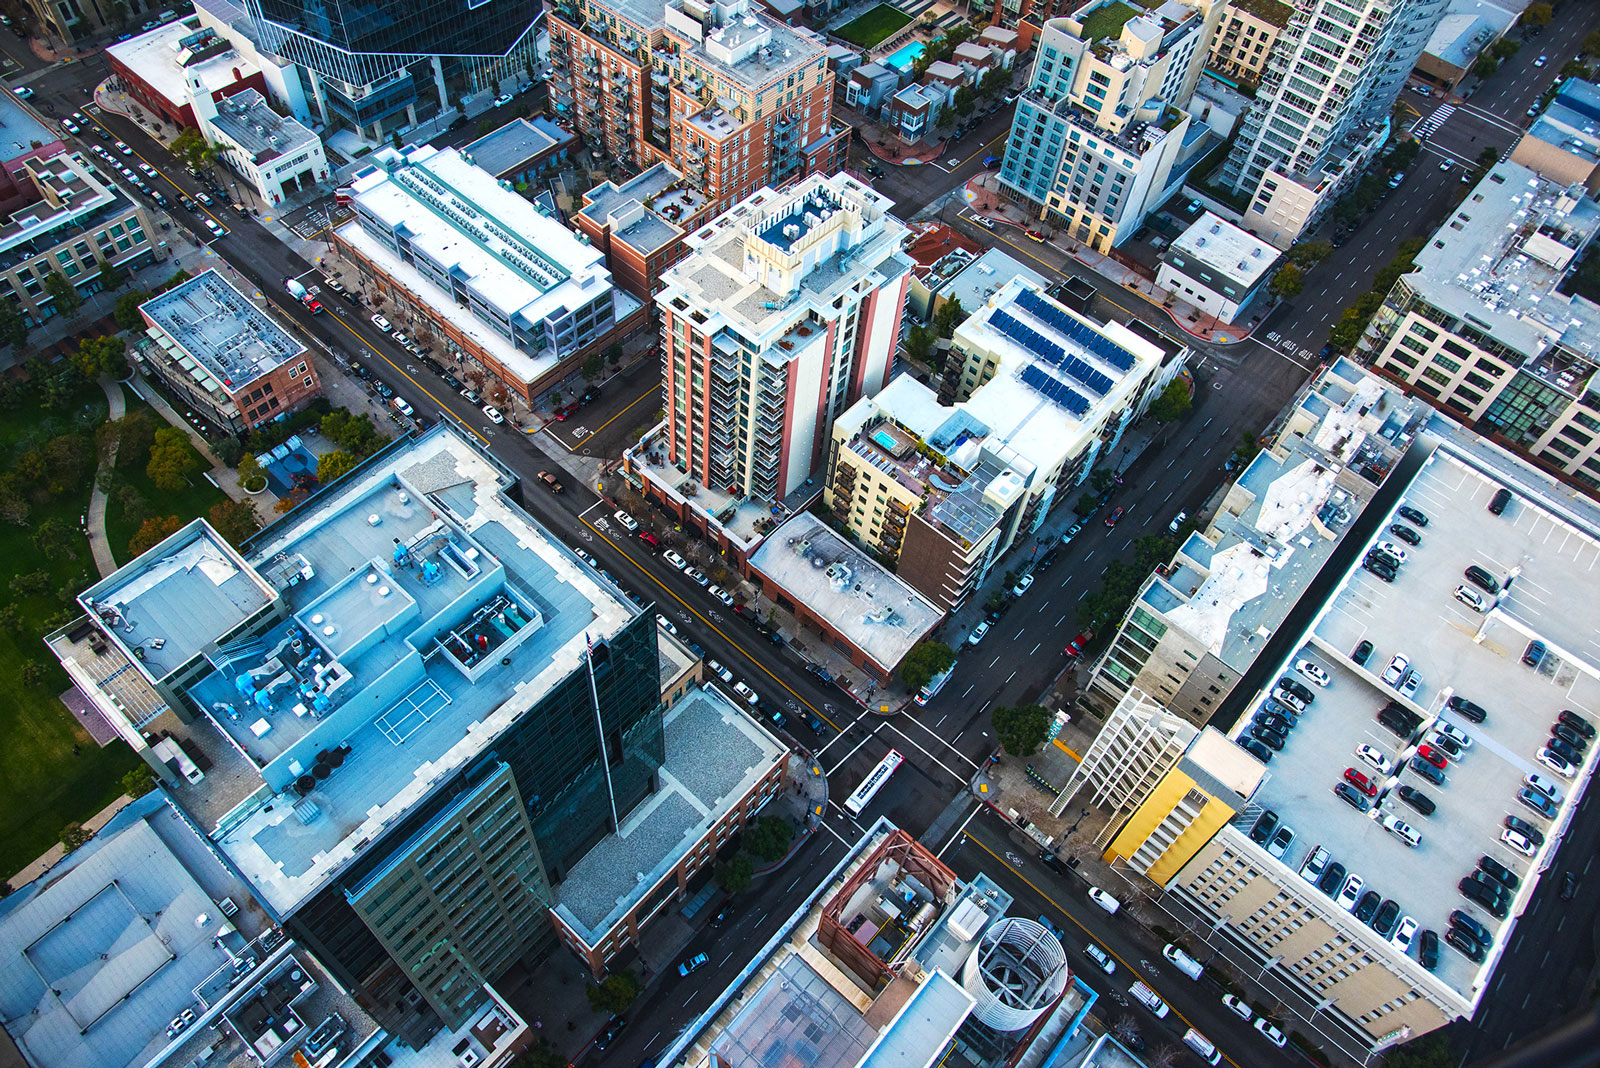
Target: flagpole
{"points": [[600, 729]]}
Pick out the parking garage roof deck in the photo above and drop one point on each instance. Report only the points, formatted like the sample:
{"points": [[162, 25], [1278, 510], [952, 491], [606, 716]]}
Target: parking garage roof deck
{"points": [[425, 713], [1457, 651]]}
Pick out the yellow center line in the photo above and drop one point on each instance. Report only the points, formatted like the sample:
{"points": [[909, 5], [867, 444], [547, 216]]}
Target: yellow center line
{"points": [[1131, 970], [404, 374], [696, 613], [605, 424]]}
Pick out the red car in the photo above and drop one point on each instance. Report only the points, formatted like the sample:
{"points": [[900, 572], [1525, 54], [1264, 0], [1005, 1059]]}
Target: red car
{"points": [[1432, 756], [1037, 235], [1361, 782], [1075, 649], [1115, 516], [565, 411]]}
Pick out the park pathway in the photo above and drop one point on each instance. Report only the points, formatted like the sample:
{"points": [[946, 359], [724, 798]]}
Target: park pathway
{"points": [[95, 525]]}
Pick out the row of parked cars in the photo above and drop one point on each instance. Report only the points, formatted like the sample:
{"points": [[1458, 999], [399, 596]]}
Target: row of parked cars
{"points": [[1382, 914], [1290, 699]]}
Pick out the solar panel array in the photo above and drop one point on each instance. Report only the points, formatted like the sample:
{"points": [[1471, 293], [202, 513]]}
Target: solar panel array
{"points": [[1041, 346], [1095, 342], [1055, 389]]}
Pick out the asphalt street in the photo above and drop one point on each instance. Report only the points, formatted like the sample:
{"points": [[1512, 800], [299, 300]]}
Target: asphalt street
{"points": [[1240, 390]]}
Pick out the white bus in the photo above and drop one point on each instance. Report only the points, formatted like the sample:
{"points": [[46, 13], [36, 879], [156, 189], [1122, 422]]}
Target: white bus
{"points": [[935, 684], [873, 783]]}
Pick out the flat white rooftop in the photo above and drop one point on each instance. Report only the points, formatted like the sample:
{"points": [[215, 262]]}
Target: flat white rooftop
{"points": [[161, 59], [838, 582], [220, 333], [1227, 249]]}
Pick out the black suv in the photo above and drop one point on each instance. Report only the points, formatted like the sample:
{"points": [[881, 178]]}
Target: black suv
{"points": [[1468, 710], [1570, 736], [1417, 799], [1388, 915], [1498, 872], [1475, 930], [609, 1035], [1266, 823], [1482, 579], [1367, 906], [1362, 654], [1053, 862], [1572, 721], [1486, 894], [1464, 944], [1332, 879]]}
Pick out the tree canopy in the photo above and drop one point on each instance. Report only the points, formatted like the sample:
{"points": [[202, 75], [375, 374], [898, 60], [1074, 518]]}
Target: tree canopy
{"points": [[153, 531], [1173, 403], [234, 520], [1022, 729], [923, 662], [334, 465], [172, 458], [1288, 282]]}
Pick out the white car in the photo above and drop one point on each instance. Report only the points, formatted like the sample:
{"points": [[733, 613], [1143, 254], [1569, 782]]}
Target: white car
{"points": [[1101, 958], [678, 563], [1239, 1007], [69, 126], [978, 633], [1404, 934], [665, 624], [1454, 733], [1470, 597], [401, 406], [1022, 585], [1177, 521], [400, 338], [1413, 683], [1544, 786], [1561, 767], [1396, 671], [493, 414], [381, 323], [719, 671], [1519, 841], [1372, 756], [696, 576], [1351, 892], [149, 171], [1293, 700], [747, 693], [721, 594], [124, 149], [1271, 1033], [503, 98], [1391, 549], [1313, 672], [22, 92], [629, 523], [1541, 61], [216, 229], [1104, 900], [585, 557]]}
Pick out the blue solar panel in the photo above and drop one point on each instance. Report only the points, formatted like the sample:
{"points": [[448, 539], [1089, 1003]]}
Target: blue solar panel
{"points": [[1054, 389], [1090, 339]]}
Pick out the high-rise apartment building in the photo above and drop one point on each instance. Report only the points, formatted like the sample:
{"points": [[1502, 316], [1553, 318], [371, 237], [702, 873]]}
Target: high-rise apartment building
{"points": [[1139, 743], [1494, 326], [1322, 109], [381, 65], [782, 314], [1100, 131], [402, 716], [733, 99], [945, 490]]}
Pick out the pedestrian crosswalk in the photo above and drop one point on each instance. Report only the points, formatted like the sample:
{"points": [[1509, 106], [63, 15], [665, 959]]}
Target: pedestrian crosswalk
{"points": [[1425, 129]]}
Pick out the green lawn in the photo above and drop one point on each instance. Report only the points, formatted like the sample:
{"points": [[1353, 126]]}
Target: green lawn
{"points": [[43, 785], [874, 26], [1107, 21], [191, 503]]}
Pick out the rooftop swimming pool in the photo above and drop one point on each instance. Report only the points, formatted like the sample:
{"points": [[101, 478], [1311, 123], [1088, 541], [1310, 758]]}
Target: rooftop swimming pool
{"points": [[906, 55]]}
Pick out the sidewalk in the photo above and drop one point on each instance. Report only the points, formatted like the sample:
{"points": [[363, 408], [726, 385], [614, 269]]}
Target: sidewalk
{"points": [[104, 561], [221, 475]]}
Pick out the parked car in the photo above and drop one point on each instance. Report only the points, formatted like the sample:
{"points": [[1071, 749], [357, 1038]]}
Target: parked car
{"points": [[629, 523], [1467, 710], [1526, 829], [1556, 763], [1405, 534], [381, 323], [719, 671], [1104, 900], [978, 633], [1239, 1007], [678, 563], [1572, 721], [1533, 655], [1271, 1033], [1498, 872], [721, 594], [1353, 797], [1361, 653], [1481, 578], [1266, 823], [1396, 671], [1520, 842], [1417, 799], [1022, 585], [1375, 757], [749, 695]]}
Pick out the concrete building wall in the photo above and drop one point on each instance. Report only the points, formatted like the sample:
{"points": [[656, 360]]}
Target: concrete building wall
{"points": [[1315, 944], [124, 240], [1173, 822], [1243, 41]]}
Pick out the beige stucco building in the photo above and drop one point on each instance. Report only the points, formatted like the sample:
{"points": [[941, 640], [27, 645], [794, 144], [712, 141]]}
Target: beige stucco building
{"points": [[1245, 37]]}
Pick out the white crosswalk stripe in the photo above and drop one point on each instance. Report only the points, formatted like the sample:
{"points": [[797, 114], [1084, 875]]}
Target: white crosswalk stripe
{"points": [[1434, 121]]}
